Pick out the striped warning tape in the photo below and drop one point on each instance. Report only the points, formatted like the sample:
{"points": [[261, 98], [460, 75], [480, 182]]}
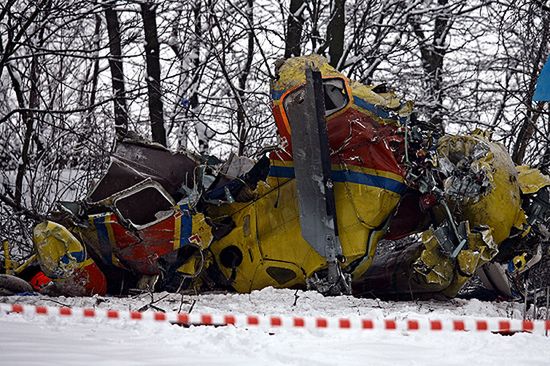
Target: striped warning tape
{"points": [[412, 325]]}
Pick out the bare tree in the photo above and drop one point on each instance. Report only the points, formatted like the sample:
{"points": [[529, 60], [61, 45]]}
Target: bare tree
{"points": [[152, 60], [432, 51], [187, 100], [295, 23], [48, 97], [117, 69], [242, 119], [335, 33]]}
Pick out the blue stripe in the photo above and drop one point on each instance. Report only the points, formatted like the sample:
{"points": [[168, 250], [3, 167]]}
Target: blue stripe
{"points": [[78, 256], [186, 225], [101, 229], [276, 94], [380, 112], [281, 171], [368, 180], [341, 176]]}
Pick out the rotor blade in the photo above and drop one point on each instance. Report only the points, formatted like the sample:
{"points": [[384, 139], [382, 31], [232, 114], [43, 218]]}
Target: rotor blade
{"points": [[310, 149]]}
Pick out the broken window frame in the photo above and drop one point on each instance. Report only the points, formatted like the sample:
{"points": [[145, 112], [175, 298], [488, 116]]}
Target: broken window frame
{"points": [[333, 112], [112, 200]]}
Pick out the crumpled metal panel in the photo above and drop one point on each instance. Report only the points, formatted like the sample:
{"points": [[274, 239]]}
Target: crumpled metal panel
{"points": [[119, 177], [478, 161], [134, 161], [467, 164], [439, 269]]}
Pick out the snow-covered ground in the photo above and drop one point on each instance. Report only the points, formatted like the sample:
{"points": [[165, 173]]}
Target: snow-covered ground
{"points": [[42, 340]]}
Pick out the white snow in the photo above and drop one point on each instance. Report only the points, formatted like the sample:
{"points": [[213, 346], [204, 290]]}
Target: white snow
{"points": [[42, 340]]}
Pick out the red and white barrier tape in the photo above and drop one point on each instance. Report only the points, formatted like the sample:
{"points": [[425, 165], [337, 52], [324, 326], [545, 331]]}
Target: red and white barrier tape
{"points": [[273, 322]]}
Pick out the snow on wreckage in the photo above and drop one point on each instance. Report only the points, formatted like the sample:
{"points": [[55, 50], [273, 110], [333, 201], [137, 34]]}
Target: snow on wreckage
{"points": [[355, 167]]}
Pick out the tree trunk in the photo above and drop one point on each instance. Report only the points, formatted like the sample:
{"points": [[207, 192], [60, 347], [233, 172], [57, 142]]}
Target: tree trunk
{"points": [[28, 120], [95, 73], [295, 24], [194, 99], [242, 123], [152, 49], [315, 34], [544, 165], [188, 83], [335, 34], [117, 71], [526, 132]]}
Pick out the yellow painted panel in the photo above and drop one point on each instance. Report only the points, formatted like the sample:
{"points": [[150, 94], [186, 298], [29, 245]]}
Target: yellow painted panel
{"points": [[531, 180]]}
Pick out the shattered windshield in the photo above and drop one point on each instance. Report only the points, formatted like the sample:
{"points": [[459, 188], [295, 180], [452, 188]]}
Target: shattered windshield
{"points": [[335, 96]]}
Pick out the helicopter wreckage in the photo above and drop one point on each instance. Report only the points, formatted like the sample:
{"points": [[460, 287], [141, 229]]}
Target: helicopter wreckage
{"points": [[354, 168]]}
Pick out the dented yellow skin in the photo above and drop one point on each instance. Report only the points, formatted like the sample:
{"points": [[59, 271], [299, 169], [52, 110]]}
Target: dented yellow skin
{"points": [[268, 229], [494, 215], [53, 242], [500, 209], [268, 232]]}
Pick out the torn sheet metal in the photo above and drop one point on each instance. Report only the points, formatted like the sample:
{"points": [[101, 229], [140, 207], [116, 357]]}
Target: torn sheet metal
{"points": [[531, 180], [473, 164], [447, 274], [133, 162]]}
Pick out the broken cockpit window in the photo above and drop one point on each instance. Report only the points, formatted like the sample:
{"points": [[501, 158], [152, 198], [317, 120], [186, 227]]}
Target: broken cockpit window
{"points": [[335, 96], [145, 205], [142, 183], [133, 162]]}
